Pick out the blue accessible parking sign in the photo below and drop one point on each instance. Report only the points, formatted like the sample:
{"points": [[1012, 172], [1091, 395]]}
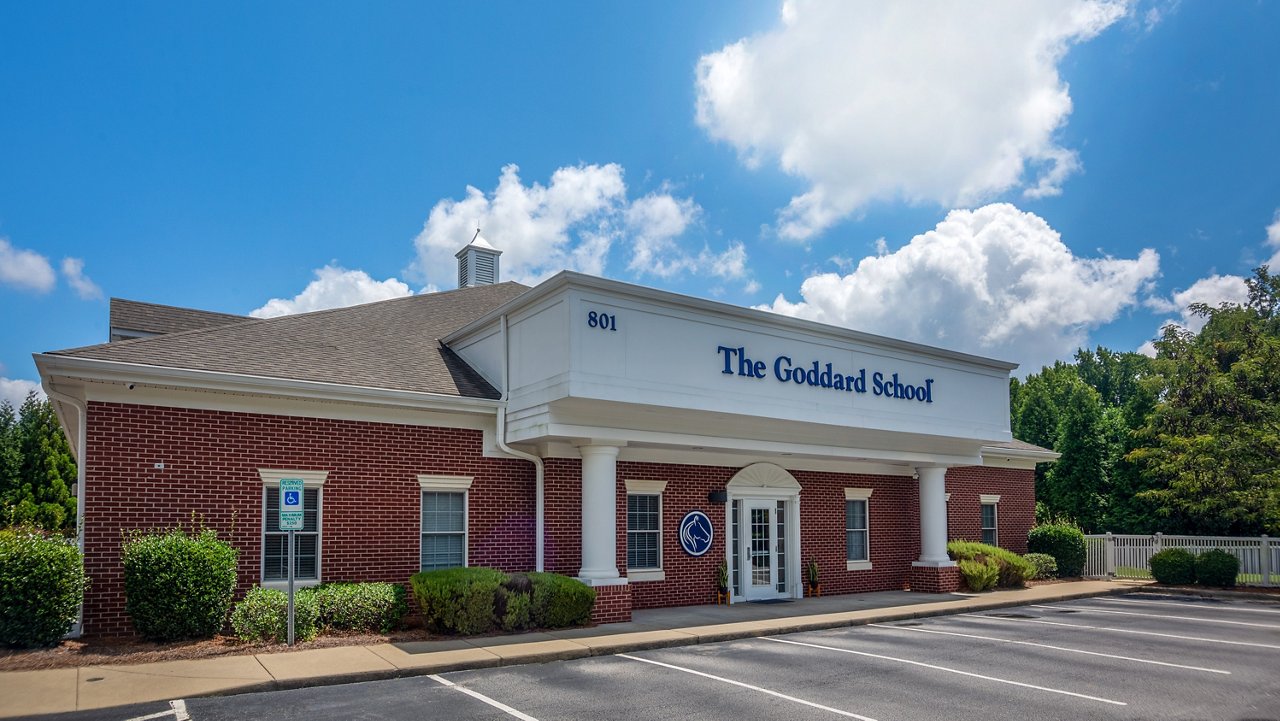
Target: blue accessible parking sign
{"points": [[291, 504]]}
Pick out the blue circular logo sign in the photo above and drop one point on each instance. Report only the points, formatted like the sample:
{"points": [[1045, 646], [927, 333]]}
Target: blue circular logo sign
{"points": [[696, 533]]}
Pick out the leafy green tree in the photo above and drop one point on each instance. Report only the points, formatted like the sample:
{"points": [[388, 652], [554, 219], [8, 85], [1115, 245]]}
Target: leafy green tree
{"points": [[1076, 486], [1211, 447], [40, 493], [10, 455]]}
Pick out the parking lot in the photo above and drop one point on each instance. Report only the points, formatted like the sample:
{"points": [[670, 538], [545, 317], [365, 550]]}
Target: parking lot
{"points": [[1141, 656]]}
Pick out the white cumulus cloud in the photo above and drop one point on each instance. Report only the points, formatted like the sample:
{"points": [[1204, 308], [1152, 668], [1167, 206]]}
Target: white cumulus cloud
{"points": [[25, 269], [73, 271], [995, 281], [943, 102], [334, 287], [574, 222], [15, 390]]}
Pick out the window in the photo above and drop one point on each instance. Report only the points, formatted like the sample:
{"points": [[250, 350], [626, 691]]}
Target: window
{"points": [[857, 530], [990, 532], [644, 530], [306, 542], [444, 521]]}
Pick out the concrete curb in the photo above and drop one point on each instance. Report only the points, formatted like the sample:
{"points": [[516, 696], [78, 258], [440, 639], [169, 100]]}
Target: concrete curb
{"points": [[1211, 593]]}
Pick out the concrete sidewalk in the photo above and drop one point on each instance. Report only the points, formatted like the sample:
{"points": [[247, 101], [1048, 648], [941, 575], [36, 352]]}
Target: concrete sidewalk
{"points": [[25, 693]]}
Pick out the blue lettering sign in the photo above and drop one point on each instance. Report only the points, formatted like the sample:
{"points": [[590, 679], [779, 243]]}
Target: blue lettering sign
{"points": [[824, 375]]}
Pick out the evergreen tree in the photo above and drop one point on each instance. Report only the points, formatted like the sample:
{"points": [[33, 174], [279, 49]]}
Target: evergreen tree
{"points": [[41, 492], [1076, 485]]}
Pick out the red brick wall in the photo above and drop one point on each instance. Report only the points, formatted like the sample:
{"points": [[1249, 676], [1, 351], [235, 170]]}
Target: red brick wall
{"points": [[370, 503], [613, 604], [1015, 514]]}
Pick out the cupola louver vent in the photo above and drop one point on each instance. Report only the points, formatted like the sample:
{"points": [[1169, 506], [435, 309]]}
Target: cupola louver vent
{"points": [[477, 263]]}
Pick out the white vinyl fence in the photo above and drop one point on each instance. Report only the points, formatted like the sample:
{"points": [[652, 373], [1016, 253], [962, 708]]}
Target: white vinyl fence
{"points": [[1122, 556]]}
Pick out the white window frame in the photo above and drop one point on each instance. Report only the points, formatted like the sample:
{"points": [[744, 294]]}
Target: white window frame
{"points": [[271, 478], [994, 502], [864, 495], [447, 484], [648, 488]]}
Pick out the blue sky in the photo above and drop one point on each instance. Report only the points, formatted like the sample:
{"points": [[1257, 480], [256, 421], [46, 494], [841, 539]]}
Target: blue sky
{"points": [[1008, 179]]}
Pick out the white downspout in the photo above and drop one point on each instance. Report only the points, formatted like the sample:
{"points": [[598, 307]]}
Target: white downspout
{"points": [[82, 411], [539, 502]]}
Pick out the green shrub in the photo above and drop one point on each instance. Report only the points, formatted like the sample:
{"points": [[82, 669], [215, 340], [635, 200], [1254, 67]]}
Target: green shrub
{"points": [[1045, 566], [263, 615], [178, 585], [42, 584], [366, 607], [560, 601], [1014, 570], [1174, 566], [1217, 568], [979, 575], [517, 615], [458, 600], [1063, 541]]}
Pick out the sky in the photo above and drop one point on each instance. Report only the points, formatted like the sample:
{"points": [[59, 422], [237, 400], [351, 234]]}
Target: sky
{"points": [[1011, 179]]}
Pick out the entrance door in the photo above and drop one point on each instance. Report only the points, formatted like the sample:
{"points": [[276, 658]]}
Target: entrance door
{"points": [[761, 522]]}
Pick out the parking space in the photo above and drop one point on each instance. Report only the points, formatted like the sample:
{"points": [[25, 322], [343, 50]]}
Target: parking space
{"points": [[1135, 657]]}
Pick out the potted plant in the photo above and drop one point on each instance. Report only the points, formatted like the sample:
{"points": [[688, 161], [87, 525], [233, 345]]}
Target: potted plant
{"points": [[722, 582], [811, 577]]}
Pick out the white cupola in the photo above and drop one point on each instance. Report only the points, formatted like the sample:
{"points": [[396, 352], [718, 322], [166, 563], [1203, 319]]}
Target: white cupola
{"points": [[477, 263]]}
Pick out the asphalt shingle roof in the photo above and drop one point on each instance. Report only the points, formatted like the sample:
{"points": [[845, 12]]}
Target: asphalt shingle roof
{"points": [[391, 344], [160, 319]]}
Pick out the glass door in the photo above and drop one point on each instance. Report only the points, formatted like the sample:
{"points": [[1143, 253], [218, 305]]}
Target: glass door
{"points": [[760, 579]]}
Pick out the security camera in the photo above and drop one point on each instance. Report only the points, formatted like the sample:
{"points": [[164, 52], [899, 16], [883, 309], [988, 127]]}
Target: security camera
{"points": [[130, 386]]}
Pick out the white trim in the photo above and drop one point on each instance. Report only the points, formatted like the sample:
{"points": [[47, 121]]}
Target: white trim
{"points": [[989, 498], [763, 479], [866, 500], [857, 565], [310, 479], [946, 497], [447, 484], [995, 508], [444, 483], [645, 487], [857, 494]]}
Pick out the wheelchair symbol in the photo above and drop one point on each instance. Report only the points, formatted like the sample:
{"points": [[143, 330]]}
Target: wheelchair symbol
{"points": [[291, 498]]}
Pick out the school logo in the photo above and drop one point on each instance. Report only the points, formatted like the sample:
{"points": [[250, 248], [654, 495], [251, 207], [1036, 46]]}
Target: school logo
{"points": [[695, 533]]}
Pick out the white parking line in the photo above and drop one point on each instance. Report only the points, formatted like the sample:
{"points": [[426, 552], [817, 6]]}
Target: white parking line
{"points": [[748, 686], [177, 709], [1157, 615], [1055, 648], [1122, 630], [476, 695], [1187, 604], [949, 670]]}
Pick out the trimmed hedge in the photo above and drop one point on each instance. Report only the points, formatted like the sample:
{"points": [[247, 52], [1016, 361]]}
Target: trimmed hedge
{"points": [[560, 601], [263, 615], [1064, 542], [1044, 564], [42, 584], [979, 575], [177, 585], [365, 607], [1175, 566], [1012, 570], [477, 600], [1217, 568]]}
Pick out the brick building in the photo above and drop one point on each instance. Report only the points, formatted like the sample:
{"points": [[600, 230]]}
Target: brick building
{"points": [[631, 437]]}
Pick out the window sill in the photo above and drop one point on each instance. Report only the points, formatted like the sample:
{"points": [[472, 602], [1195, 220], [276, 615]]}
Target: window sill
{"points": [[297, 583], [656, 574], [857, 565]]}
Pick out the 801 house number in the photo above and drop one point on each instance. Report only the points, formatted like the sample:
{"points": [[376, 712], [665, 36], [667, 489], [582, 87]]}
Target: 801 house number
{"points": [[603, 321]]}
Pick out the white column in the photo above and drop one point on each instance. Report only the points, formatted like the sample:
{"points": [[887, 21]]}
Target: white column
{"points": [[599, 515], [933, 517]]}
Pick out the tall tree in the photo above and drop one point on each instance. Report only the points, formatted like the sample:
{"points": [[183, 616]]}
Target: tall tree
{"points": [[1211, 446], [41, 494], [1076, 486]]}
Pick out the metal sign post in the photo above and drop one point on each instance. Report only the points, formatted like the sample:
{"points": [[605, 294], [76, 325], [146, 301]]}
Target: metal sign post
{"points": [[291, 520]]}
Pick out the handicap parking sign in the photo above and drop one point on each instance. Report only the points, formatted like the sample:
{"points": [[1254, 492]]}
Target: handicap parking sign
{"points": [[291, 504]]}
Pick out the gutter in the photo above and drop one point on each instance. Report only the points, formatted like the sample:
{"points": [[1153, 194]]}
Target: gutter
{"points": [[82, 412], [540, 486]]}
